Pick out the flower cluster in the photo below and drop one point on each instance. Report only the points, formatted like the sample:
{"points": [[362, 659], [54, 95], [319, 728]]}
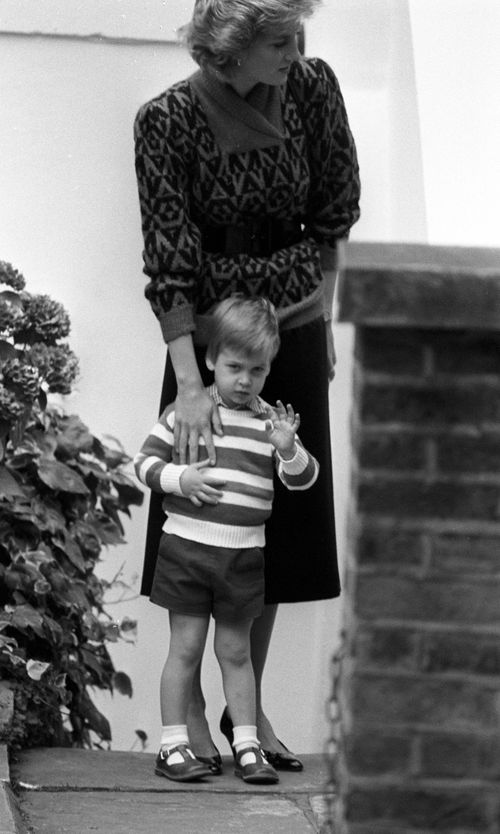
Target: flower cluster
{"points": [[57, 365], [43, 320], [9, 317], [10, 407], [22, 379], [11, 277], [33, 360]]}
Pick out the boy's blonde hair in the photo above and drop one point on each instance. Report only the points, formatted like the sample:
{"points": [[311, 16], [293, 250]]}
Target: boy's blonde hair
{"points": [[221, 29], [249, 325]]}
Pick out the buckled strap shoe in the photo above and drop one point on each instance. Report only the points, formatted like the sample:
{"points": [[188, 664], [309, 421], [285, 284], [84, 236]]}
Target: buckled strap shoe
{"points": [[252, 766], [183, 766]]}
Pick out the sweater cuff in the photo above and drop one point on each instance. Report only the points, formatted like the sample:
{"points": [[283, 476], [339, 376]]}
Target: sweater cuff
{"points": [[176, 322], [297, 464], [170, 478]]}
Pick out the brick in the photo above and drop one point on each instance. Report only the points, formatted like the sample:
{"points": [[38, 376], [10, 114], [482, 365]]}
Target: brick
{"points": [[381, 700], [467, 353], [388, 648], [390, 350], [477, 654], [389, 548], [376, 753], [451, 811], [430, 405], [460, 756], [390, 451], [469, 454], [437, 600], [453, 553], [437, 499]]}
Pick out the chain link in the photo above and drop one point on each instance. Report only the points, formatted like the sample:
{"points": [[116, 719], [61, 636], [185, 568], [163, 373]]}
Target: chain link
{"points": [[332, 742]]}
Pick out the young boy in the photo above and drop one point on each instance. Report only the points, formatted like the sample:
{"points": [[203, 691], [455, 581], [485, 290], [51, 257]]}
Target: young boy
{"points": [[210, 559]]}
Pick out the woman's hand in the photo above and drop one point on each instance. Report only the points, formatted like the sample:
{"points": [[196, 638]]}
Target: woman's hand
{"points": [[281, 429], [196, 415], [200, 485]]}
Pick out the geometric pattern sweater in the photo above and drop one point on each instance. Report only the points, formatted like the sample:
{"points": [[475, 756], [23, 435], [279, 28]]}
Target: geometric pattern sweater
{"points": [[186, 179], [246, 461]]}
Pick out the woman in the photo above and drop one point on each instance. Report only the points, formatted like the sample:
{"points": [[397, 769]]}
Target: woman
{"points": [[248, 177]]}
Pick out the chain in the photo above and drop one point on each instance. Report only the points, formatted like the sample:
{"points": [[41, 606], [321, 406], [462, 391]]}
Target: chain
{"points": [[331, 745]]}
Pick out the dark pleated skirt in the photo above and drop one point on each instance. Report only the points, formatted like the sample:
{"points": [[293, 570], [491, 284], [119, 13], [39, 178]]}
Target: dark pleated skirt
{"points": [[300, 552]]}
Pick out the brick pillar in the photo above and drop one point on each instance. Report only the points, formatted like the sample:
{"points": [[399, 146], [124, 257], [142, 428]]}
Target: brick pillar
{"points": [[419, 686]]}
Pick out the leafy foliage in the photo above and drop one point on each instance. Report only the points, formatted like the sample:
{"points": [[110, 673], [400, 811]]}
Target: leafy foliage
{"points": [[62, 494]]}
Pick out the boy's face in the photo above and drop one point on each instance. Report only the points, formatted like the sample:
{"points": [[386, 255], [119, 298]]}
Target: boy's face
{"points": [[238, 376]]}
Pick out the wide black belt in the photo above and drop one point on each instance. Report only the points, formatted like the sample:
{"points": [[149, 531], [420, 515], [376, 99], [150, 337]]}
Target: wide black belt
{"points": [[258, 237]]}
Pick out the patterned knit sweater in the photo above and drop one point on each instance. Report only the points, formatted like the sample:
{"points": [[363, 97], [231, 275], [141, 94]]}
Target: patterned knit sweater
{"points": [[246, 461], [186, 178]]}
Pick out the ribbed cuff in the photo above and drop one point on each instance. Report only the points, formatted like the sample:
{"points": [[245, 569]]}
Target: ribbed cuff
{"points": [[177, 322], [297, 464], [170, 478]]}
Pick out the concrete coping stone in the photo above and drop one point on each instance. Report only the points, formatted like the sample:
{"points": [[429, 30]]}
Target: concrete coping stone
{"points": [[419, 285]]}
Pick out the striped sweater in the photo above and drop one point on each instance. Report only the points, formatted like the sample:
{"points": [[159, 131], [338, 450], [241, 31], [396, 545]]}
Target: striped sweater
{"points": [[246, 461]]}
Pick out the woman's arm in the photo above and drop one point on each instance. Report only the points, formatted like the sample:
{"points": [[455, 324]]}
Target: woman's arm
{"points": [[171, 252], [196, 414], [172, 262], [335, 183]]}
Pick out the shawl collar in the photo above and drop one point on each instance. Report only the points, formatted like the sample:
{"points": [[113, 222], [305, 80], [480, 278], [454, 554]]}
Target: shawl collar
{"points": [[240, 124]]}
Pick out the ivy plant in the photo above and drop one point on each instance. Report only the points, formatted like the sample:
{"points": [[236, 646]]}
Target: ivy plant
{"points": [[63, 493]]}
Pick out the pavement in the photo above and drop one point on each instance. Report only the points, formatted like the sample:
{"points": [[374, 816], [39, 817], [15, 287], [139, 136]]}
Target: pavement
{"points": [[73, 791]]}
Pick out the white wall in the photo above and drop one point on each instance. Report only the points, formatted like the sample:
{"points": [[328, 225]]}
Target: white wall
{"points": [[151, 20], [69, 221], [457, 69]]}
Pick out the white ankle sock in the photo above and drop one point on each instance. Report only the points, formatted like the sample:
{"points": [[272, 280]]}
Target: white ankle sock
{"points": [[245, 735], [172, 735]]}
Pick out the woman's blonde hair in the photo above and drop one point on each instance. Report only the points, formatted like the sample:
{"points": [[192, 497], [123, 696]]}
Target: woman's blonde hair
{"points": [[249, 325], [220, 30]]}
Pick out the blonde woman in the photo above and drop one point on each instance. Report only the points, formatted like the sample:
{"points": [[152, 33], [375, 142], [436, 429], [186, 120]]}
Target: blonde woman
{"points": [[247, 176]]}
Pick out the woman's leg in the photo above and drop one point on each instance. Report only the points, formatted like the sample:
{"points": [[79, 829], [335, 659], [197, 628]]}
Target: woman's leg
{"points": [[260, 639]]}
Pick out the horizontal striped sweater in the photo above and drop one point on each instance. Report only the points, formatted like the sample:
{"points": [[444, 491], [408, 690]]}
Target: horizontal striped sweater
{"points": [[246, 461]]}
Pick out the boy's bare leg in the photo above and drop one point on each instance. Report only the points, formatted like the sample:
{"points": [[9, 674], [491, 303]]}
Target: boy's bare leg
{"points": [[232, 649], [187, 641], [199, 732]]}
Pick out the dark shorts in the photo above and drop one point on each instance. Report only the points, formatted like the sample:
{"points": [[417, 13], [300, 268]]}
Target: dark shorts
{"points": [[199, 580]]}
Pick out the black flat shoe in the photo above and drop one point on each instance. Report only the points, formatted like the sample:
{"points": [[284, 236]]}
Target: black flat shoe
{"points": [[280, 762], [213, 762], [277, 760]]}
